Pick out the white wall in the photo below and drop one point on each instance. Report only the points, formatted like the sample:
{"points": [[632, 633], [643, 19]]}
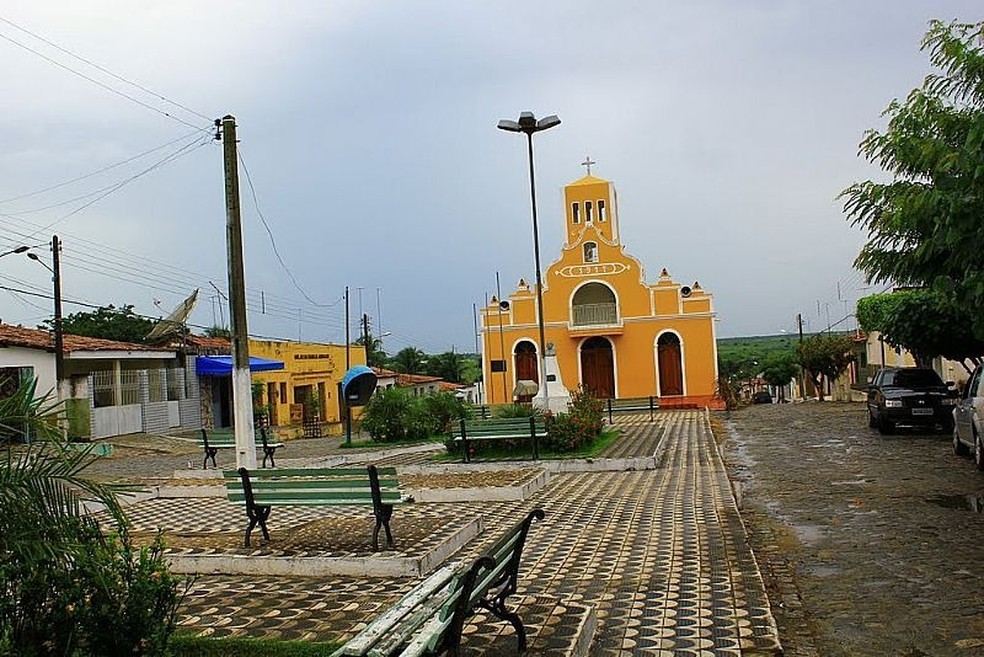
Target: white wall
{"points": [[42, 362]]}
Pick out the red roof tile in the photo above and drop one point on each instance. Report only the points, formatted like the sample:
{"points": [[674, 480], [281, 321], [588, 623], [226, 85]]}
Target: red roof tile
{"points": [[18, 336]]}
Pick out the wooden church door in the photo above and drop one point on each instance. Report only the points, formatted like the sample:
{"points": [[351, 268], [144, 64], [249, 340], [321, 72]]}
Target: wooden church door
{"points": [[598, 368], [670, 365], [525, 360]]}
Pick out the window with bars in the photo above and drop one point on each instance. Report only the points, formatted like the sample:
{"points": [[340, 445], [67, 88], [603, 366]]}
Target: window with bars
{"points": [[155, 385], [103, 389], [175, 384]]}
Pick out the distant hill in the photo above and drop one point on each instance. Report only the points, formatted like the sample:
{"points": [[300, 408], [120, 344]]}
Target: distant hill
{"points": [[755, 348]]}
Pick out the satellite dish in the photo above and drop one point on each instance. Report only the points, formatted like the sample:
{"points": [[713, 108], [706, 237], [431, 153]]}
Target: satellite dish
{"points": [[174, 322], [685, 291]]}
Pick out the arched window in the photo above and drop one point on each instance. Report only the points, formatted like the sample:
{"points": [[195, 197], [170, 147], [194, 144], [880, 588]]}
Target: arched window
{"points": [[587, 212], [590, 252], [575, 213], [601, 210]]}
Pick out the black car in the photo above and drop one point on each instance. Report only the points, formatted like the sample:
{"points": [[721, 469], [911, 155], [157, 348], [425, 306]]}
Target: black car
{"points": [[910, 395], [762, 397]]}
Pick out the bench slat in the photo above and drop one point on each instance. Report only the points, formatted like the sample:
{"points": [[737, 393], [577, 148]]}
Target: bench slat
{"points": [[314, 484], [379, 627], [430, 611], [316, 499]]}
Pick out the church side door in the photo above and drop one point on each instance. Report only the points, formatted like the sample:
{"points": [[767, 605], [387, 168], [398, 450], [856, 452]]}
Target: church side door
{"points": [[670, 365], [598, 368], [525, 360]]}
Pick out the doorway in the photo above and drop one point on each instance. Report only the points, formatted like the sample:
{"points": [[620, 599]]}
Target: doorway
{"points": [[669, 356], [598, 367]]}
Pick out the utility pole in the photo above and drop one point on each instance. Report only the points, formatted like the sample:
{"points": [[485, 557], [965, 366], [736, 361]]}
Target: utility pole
{"points": [[502, 342], [59, 339], [802, 377], [348, 341], [365, 335], [348, 364], [242, 398], [477, 349]]}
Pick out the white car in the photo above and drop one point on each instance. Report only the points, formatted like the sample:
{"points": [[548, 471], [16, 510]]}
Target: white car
{"points": [[968, 420]]}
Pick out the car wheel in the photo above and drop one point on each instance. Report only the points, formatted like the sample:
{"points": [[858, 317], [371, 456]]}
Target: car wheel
{"points": [[872, 423], [978, 451], [958, 447], [885, 427]]}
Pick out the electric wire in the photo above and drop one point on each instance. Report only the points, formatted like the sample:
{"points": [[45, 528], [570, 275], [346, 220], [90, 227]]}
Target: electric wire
{"points": [[95, 81], [104, 169], [103, 69], [273, 242]]}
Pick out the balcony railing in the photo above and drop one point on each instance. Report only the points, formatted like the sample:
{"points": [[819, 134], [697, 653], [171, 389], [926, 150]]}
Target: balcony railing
{"points": [[594, 314]]}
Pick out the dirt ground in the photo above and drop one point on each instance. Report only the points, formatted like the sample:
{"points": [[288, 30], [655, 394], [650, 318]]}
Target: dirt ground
{"points": [[869, 544]]}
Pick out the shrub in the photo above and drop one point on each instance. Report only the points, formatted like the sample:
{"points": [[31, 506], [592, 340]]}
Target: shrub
{"points": [[579, 426], [384, 417], [444, 408], [395, 414]]}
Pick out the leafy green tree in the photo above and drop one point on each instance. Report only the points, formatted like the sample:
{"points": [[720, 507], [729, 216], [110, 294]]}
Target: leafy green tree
{"points": [[409, 360], [824, 356], [219, 332], [927, 322], [106, 322], [924, 225], [448, 366], [779, 369], [376, 357]]}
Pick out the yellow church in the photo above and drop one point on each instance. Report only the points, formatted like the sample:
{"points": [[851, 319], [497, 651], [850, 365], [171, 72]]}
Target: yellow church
{"points": [[606, 329]]}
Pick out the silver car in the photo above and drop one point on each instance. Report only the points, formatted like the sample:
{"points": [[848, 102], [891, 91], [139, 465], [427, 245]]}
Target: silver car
{"points": [[968, 416]]}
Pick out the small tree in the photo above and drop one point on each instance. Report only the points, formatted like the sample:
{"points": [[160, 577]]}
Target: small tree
{"points": [[928, 323], [779, 370], [106, 322], [924, 225], [824, 356]]}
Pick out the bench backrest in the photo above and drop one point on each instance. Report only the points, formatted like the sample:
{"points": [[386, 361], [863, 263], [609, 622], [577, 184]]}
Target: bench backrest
{"points": [[285, 486], [223, 438], [519, 426]]}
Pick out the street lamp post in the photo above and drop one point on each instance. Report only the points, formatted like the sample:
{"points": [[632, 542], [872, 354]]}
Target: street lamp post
{"points": [[55, 270], [528, 125]]}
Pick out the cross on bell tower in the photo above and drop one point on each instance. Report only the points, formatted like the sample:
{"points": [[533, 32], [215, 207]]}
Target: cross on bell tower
{"points": [[587, 163]]}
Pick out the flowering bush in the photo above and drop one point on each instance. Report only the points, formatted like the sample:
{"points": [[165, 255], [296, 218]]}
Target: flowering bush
{"points": [[579, 426]]}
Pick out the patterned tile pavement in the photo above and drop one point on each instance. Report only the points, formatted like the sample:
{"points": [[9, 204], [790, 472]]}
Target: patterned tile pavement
{"points": [[659, 555]]}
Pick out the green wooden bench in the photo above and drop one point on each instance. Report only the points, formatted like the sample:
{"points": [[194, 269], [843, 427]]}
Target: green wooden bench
{"points": [[227, 440], [430, 617], [261, 490], [629, 404], [531, 428]]}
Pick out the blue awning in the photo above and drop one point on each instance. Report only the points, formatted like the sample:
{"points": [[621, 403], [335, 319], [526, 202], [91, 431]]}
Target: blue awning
{"points": [[222, 365]]}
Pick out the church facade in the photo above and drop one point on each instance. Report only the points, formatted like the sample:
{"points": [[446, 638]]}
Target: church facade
{"points": [[606, 328]]}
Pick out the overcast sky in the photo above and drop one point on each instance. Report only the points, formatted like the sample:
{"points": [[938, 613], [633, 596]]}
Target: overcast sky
{"points": [[368, 131]]}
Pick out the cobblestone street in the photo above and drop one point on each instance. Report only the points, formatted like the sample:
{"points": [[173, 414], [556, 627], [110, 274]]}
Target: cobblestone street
{"points": [[868, 544]]}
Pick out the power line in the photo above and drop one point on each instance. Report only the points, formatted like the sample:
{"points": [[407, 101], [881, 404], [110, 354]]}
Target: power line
{"points": [[103, 169], [97, 82], [273, 242]]}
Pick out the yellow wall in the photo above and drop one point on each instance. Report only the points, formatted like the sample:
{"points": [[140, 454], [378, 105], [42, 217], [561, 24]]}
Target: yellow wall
{"points": [[644, 311], [308, 366]]}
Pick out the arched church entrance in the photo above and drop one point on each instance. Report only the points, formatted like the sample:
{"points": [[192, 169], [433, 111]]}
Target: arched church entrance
{"points": [[598, 367], [669, 357], [525, 362]]}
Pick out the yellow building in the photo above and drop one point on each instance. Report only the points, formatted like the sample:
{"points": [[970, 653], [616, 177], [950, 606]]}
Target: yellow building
{"points": [[308, 384], [611, 331]]}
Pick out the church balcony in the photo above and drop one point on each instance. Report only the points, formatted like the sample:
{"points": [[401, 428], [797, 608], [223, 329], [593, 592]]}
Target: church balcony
{"points": [[595, 319]]}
